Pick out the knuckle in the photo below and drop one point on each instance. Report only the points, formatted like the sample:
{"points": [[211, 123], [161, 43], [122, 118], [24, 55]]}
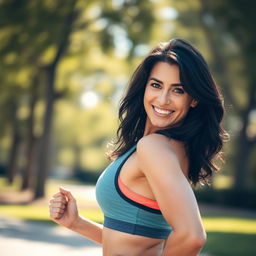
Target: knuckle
{"points": [[55, 214], [56, 210], [58, 215]]}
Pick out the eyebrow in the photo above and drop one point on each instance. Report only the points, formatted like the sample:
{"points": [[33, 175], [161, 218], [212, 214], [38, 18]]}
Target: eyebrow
{"points": [[160, 82]]}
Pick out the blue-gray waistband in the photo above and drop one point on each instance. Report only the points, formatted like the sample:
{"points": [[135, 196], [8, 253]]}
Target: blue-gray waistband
{"points": [[135, 229]]}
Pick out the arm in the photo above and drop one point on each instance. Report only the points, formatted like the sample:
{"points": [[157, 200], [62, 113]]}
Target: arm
{"points": [[63, 210], [160, 164]]}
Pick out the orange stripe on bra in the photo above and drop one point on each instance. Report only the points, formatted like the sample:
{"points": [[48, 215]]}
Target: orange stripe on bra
{"points": [[136, 197]]}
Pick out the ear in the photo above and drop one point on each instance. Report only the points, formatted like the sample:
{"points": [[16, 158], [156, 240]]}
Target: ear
{"points": [[193, 103]]}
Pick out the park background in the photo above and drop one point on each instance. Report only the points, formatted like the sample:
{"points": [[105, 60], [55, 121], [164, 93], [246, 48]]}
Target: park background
{"points": [[64, 67]]}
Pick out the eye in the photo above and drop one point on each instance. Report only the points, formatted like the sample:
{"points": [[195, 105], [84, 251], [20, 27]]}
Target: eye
{"points": [[155, 85], [179, 90]]}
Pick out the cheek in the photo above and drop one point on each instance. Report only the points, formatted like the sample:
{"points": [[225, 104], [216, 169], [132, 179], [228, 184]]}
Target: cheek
{"points": [[186, 102], [147, 97], [186, 109], [145, 101]]}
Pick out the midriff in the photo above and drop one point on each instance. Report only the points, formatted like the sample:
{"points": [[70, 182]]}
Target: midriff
{"points": [[116, 243]]}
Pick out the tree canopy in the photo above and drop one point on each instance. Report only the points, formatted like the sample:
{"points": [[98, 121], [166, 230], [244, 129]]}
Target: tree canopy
{"points": [[65, 64]]}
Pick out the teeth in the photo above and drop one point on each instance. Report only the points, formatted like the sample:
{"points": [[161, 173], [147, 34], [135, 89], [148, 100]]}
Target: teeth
{"points": [[162, 111]]}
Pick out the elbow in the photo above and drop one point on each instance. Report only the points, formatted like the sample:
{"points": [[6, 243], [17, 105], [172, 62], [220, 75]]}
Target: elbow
{"points": [[192, 239], [197, 240], [185, 243]]}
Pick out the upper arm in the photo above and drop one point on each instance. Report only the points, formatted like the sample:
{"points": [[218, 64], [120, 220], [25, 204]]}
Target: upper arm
{"points": [[160, 164]]}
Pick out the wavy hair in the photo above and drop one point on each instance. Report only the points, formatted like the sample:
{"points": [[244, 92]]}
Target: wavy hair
{"points": [[201, 129]]}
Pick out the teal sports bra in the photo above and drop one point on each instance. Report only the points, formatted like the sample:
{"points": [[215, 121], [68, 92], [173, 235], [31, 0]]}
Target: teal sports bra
{"points": [[125, 210]]}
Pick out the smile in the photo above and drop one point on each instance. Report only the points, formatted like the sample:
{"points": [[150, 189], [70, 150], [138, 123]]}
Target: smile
{"points": [[162, 111]]}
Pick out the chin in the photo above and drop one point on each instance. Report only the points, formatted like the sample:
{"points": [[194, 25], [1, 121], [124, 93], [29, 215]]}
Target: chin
{"points": [[162, 127]]}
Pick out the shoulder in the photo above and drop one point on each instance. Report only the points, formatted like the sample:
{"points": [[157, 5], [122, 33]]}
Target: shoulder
{"points": [[156, 143], [154, 149], [156, 152], [160, 160], [154, 137]]}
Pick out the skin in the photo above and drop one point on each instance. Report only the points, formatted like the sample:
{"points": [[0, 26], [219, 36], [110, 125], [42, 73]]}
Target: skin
{"points": [[166, 181]]}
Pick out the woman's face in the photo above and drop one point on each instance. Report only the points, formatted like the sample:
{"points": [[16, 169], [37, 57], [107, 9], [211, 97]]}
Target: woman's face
{"points": [[165, 101]]}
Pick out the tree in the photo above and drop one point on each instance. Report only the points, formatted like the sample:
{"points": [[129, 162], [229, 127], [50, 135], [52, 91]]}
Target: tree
{"points": [[237, 18], [30, 137], [50, 72], [40, 48], [113, 16]]}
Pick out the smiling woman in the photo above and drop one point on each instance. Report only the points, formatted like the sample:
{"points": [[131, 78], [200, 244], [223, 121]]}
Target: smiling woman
{"points": [[165, 100], [169, 134]]}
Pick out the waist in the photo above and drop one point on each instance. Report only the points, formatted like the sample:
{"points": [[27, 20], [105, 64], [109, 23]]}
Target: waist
{"points": [[119, 243]]}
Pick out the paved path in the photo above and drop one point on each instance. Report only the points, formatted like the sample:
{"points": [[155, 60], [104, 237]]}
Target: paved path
{"points": [[22, 238]]}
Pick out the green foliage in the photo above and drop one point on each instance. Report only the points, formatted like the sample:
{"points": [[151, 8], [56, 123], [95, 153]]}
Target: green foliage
{"points": [[107, 40], [229, 197], [33, 33], [230, 244]]}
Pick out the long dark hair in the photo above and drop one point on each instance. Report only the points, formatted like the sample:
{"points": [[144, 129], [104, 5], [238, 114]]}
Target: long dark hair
{"points": [[201, 129]]}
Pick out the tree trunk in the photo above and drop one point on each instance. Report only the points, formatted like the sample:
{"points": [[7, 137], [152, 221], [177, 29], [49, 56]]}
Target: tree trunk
{"points": [[219, 60], [13, 155], [27, 174], [44, 154], [242, 158], [44, 146], [244, 145]]}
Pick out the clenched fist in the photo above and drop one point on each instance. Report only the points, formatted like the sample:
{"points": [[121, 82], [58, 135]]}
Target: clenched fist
{"points": [[63, 208]]}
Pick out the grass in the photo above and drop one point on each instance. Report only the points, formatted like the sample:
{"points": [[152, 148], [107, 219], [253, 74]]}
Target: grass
{"points": [[41, 213], [230, 225], [35, 211], [230, 244], [4, 186], [229, 236]]}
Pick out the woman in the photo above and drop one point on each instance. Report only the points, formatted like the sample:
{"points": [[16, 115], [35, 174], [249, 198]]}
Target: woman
{"points": [[168, 137]]}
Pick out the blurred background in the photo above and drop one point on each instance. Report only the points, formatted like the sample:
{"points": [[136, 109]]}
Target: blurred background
{"points": [[64, 66]]}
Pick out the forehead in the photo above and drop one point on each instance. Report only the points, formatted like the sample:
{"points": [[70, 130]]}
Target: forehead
{"points": [[169, 73]]}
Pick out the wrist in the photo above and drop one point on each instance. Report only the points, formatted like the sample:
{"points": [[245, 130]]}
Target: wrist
{"points": [[76, 223]]}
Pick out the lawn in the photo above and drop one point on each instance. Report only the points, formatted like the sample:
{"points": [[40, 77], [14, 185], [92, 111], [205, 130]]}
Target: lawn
{"points": [[229, 236], [230, 232]]}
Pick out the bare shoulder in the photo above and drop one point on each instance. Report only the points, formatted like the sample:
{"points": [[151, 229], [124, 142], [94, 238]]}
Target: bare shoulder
{"points": [[156, 143], [155, 152]]}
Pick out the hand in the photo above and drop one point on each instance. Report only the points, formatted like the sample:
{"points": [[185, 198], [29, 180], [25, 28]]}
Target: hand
{"points": [[63, 208]]}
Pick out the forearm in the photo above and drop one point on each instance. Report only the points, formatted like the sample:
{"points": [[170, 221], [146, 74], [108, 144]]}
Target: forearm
{"points": [[180, 245], [88, 228]]}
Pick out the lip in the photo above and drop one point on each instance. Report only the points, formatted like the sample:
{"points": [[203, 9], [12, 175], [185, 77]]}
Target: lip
{"points": [[162, 114]]}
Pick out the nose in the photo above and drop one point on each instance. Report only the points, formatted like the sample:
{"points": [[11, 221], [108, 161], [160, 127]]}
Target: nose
{"points": [[164, 98]]}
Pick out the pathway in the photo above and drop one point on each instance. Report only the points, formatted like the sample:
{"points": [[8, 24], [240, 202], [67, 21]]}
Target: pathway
{"points": [[25, 238]]}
